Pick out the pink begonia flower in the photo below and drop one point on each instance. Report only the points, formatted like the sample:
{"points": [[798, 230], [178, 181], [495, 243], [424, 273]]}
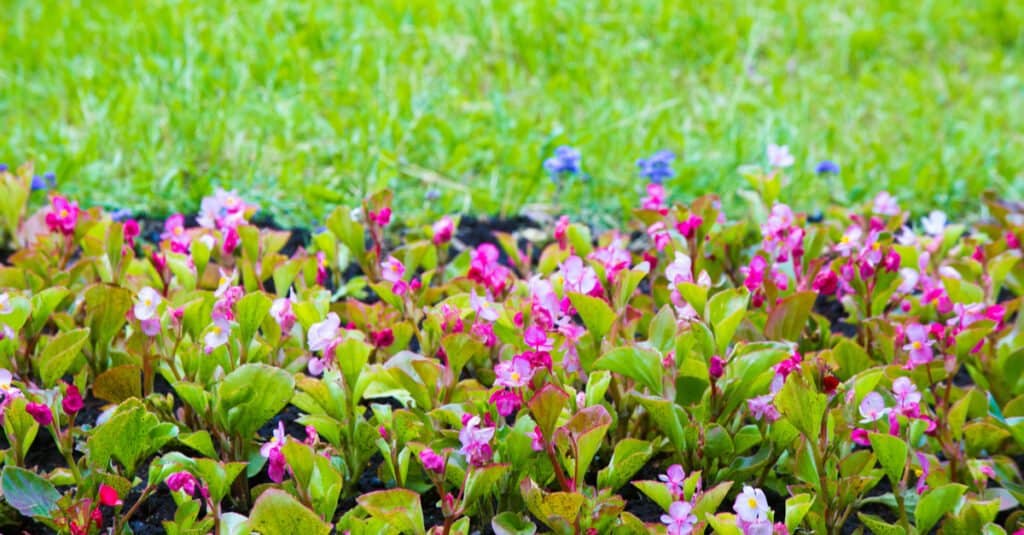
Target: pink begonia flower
{"points": [[218, 333], [476, 442], [175, 232], [321, 334], [935, 223], [485, 333], [146, 303], [754, 273], [751, 505], [281, 311], [674, 478], [680, 270], [483, 307], [906, 393], [655, 199], [321, 269], [392, 270], [561, 227], [432, 461], [182, 480], [537, 339], [131, 231], [108, 496], [226, 281], [381, 217], [151, 327], [918, 346], [688, 227], [860, 437], [515, 373], [536, 439], [484, 269], [276, 440], [659, 235], [579, 277], [763, 407], [231, 241], [222, 210], [505, 401], [443, 230], [40, 412], [613, 257], [885, 204], [850, 241], [872, 407], [72, 401], [779, 156], [680, 519], [63, 215], [926, 465]]}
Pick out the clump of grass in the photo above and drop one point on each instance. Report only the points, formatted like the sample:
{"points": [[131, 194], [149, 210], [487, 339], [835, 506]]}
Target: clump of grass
{"points": [[304, 105]]}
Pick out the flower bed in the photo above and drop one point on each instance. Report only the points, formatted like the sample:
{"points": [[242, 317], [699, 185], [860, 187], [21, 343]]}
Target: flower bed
{"points": [[684, 373]]}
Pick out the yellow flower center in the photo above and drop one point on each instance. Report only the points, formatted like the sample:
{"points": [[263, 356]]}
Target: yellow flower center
{"points": [[917, 345], [751, 503], [844, 240], [876, 246], [216, 329], [223, 281], [178, 231], [147, 301], [231, 201], [63, 213], [515, 377]]}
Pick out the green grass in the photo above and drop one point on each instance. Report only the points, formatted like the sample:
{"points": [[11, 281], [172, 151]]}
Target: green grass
{"points": [[302, 105]]}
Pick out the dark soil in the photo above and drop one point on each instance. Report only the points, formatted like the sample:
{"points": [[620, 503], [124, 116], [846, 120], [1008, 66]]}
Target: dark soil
{"points": [[637, 502], [830, 307]]}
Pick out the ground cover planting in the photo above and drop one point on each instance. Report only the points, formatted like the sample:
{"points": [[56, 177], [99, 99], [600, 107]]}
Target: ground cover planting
{"points": [[854, 370]]}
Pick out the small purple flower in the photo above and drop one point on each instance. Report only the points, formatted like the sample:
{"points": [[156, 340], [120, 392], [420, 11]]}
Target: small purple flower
{"points": [[657, 168], [3, 168], [826, 167], [432, 461], [40, 412], [674, 477], [566, 161], [182, 481]]}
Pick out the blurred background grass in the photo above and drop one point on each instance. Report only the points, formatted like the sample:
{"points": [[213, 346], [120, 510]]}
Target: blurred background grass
{"points": [[303, 105]]}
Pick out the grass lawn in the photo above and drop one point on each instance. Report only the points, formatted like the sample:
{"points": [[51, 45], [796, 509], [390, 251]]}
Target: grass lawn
{"points": [[302, 105]]}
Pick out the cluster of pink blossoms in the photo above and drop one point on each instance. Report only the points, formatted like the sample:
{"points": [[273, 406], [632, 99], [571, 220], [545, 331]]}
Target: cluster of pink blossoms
{"points": [[764, 406]]}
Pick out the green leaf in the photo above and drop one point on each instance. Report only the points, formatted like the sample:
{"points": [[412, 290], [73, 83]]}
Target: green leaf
{"points": [[131, 434], [399, 508], [546, 406], [118, 383], [935, 503], [108, 306], [796, 508], [628, 280], [694, 294], [218, 476], [277, 512], [43, 305], [352, 355], [199, 441], [629, 456], [641, 365], [509, 523], [802, 405], [597, 315], [787, 319], [879, 526], [725, 311], [851, 358], [30, 494], [61, 355], [892, 454], [657, 491], [481, 482], [668, 417], [586, 429], [710, 500], [662, 332], [251, 310], [316, 474], [251, 395], [19, 423]]}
